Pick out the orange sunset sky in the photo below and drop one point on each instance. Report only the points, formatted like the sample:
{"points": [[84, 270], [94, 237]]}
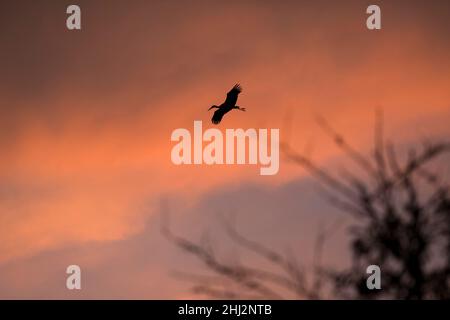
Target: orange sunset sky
{"points": [[86, 118]]}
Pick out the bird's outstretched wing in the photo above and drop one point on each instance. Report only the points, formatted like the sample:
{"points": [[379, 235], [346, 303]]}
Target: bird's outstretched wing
{"points": [[217, 116], [232, 95]]}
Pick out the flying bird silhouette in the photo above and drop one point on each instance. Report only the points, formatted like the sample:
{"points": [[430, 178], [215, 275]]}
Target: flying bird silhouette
{"points": [[228, 105]]}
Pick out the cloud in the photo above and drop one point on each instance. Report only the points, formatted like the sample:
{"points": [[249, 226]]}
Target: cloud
{"points": [[142, 265], [86, 117]]}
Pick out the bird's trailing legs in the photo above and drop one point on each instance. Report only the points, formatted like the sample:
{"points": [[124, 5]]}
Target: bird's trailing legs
{"points": [[239, 108]]}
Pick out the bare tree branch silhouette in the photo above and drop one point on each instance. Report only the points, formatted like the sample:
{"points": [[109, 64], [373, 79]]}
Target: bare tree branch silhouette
{"points": [[400, 217]]}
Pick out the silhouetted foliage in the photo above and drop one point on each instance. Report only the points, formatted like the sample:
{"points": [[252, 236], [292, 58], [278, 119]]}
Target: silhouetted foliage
{"points": [[400, 222]]}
